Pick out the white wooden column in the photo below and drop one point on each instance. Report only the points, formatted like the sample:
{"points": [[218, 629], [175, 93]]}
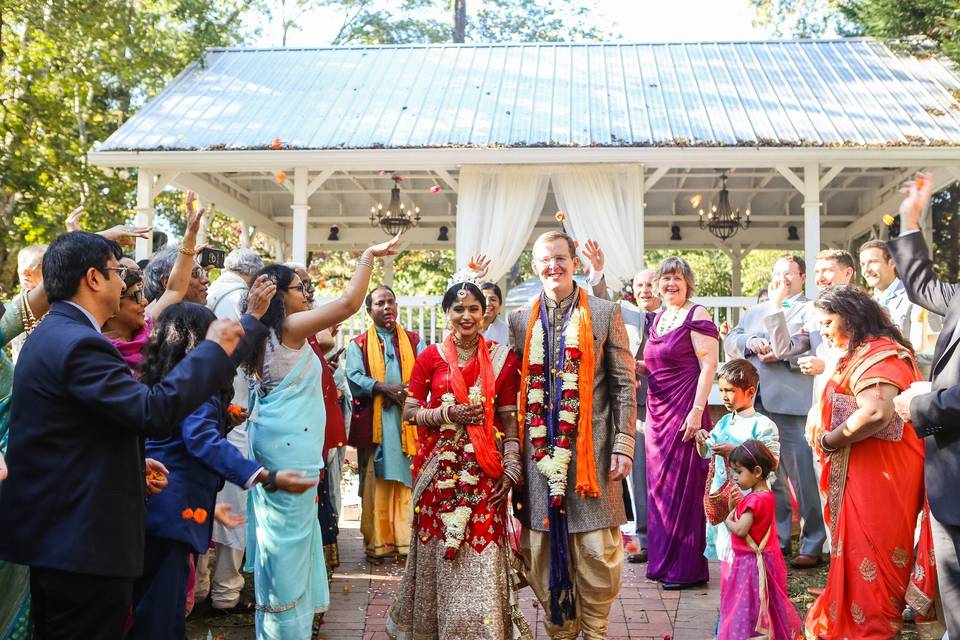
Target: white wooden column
{"points": [[811, 222], [388, 271], [300, 209], [145, 211], [245, 235]]}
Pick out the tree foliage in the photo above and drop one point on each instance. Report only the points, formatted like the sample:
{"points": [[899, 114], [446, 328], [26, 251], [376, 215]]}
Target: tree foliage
{"points": [[72, 72], [423, 21]]}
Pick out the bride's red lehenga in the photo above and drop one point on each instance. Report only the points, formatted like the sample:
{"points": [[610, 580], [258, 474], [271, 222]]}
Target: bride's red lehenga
{"points": [[468, 596]]}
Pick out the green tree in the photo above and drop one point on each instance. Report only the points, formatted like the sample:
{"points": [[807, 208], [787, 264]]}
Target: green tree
{"points": [[71, 72], [423, 21]]}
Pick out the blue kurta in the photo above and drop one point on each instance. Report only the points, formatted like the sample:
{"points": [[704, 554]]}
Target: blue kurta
{"points": [[390, 463]]}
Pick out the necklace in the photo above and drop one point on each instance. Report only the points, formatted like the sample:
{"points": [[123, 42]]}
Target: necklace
{"points": [[670, 320], [465, 347]]}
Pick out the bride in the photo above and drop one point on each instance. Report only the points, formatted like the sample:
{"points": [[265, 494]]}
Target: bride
{"points": [[462, 396]]}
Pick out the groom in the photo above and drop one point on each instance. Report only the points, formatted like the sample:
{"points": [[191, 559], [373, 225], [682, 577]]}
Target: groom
{"points": [[578, 442]]}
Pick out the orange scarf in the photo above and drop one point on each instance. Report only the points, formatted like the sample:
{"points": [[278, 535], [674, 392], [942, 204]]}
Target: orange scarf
{"points": [[481, 435], [587, 484]]}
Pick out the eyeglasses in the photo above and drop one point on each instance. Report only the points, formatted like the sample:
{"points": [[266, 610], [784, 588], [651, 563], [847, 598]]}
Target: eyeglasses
{"points": [[121, 271], [136, 295], [197, 273], [299, 287]]}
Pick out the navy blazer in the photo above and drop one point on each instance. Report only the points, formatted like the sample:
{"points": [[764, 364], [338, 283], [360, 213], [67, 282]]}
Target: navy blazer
{"points": [[198, 458], [936, 415], [74, 499]]}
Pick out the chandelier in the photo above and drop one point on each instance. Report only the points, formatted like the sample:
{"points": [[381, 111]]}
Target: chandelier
{"points": [[397, 217], [722, 220]]}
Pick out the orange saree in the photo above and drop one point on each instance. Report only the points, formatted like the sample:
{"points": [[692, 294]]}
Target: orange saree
{"points": [[875, 494]]}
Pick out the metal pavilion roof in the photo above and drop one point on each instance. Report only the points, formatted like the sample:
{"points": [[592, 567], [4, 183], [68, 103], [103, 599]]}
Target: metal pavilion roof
{"points": [[809, 93]]}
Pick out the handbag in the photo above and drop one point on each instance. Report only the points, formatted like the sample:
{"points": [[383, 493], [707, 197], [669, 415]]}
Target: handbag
{"points": [[718, 504], [843, 407]]}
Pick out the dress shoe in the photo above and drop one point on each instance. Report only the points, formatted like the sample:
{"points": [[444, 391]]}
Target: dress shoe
{"points": [[804, 561], [677, 586], [638, 558]]}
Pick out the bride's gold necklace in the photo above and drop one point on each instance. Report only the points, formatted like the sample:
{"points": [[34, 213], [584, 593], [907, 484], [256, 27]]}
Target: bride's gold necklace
{"points": [[465, 347]]}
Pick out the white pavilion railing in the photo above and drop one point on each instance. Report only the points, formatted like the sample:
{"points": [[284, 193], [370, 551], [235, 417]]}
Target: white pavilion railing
{"points": [[423, 315]]}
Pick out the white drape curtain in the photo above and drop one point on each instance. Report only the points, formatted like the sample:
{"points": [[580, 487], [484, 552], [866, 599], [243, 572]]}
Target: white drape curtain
{"points": [[605, 203], [497, 209]]}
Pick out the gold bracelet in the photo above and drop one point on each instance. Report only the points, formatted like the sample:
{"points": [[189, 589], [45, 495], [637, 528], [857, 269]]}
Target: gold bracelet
{"points": [[187, 251]]}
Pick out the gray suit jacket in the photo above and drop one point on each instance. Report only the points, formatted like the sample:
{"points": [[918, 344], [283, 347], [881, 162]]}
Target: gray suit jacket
{"points": [[614, 426], [783, 389], [635, 321], [936, 415]]}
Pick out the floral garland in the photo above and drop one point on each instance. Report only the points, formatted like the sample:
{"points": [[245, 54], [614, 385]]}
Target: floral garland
{"points": [[457, 479], [554, 460]]}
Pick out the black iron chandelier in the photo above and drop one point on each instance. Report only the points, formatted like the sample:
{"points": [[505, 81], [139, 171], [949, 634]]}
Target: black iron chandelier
{"points": [[722, 220], [396, 217]]}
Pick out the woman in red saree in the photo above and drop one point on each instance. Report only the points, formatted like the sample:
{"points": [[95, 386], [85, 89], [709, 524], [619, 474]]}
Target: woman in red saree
{"points": [[462, 396], [872, 477]]}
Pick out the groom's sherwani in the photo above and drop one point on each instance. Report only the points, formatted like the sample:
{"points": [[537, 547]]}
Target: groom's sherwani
{"points": [[614, 418], [595, 546]]}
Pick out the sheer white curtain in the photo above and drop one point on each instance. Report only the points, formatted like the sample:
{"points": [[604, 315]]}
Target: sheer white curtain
{"points": [[497, 209], [604, 203]]}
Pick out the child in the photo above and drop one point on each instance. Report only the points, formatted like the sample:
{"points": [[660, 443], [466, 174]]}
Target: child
{"points": [[753, 600], [737, 380]]}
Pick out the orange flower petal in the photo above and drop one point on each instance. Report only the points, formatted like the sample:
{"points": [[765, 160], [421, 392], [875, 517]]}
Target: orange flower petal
{"points": [[888, 219], [561, 216], [199, 515], [280, 176], [435, 188], [546, 522], [696, 200], [277, 144], [187, 514]]}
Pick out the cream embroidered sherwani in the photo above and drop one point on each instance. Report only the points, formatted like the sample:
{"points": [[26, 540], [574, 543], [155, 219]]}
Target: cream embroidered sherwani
{"points": [[596, 550]]}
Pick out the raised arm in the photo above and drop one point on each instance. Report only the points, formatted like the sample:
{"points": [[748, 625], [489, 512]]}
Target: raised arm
{"points": [[595, 259], [783, 344], [179, 280], [298, 326]]}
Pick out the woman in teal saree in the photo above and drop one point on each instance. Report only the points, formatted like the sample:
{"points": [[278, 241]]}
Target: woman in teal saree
{"points": [[21, 315]]}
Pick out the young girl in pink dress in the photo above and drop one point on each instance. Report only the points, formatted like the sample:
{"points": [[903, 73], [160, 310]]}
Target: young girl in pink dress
{"points": [[753, 600]]}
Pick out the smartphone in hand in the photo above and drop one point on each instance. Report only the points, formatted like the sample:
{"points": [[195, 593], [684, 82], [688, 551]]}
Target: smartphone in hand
{"points": [[210, 257]]}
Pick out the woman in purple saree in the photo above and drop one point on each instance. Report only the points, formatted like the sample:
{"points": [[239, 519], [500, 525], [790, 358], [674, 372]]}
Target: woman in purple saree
{"points": [[680, 358]]}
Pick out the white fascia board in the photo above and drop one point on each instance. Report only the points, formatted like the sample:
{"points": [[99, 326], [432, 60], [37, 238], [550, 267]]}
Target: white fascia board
{"points": [[430, 159]]}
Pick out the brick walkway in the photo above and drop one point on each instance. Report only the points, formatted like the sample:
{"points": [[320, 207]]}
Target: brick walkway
{"points": [[361, 593]]}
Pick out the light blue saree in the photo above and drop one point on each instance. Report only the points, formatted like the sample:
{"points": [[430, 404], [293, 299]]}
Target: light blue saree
{"points": [[284, 547]]}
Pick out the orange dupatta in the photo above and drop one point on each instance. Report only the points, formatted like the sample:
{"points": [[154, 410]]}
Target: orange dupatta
{"points": [[481, 435], [587, 484]]}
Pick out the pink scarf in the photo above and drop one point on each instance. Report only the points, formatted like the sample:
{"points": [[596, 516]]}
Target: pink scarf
{"points": [[132, 351]]}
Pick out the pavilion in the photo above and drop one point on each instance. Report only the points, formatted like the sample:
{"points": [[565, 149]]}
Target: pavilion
{"points": [[492, 140]]}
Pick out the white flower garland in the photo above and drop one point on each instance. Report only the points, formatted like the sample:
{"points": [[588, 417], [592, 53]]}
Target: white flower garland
{"points": [[555, 464]]}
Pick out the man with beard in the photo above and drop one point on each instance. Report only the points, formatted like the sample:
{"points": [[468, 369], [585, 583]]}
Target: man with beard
{"points": [[379, 363]]}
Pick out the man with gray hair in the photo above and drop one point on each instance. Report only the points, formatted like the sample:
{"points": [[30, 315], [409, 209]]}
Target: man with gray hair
{"points": [[157, 273], [218, 572]]}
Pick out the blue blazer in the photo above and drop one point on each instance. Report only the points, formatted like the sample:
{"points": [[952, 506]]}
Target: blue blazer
{"points": [[198, 458], [74, 499]]}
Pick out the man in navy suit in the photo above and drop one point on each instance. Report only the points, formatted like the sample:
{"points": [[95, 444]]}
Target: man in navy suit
{"points": [[936, 414], [72, 508]]}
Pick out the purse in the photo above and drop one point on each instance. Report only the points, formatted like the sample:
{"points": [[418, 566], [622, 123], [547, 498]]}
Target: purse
{"points": [[718, 504], [843, 407]]}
